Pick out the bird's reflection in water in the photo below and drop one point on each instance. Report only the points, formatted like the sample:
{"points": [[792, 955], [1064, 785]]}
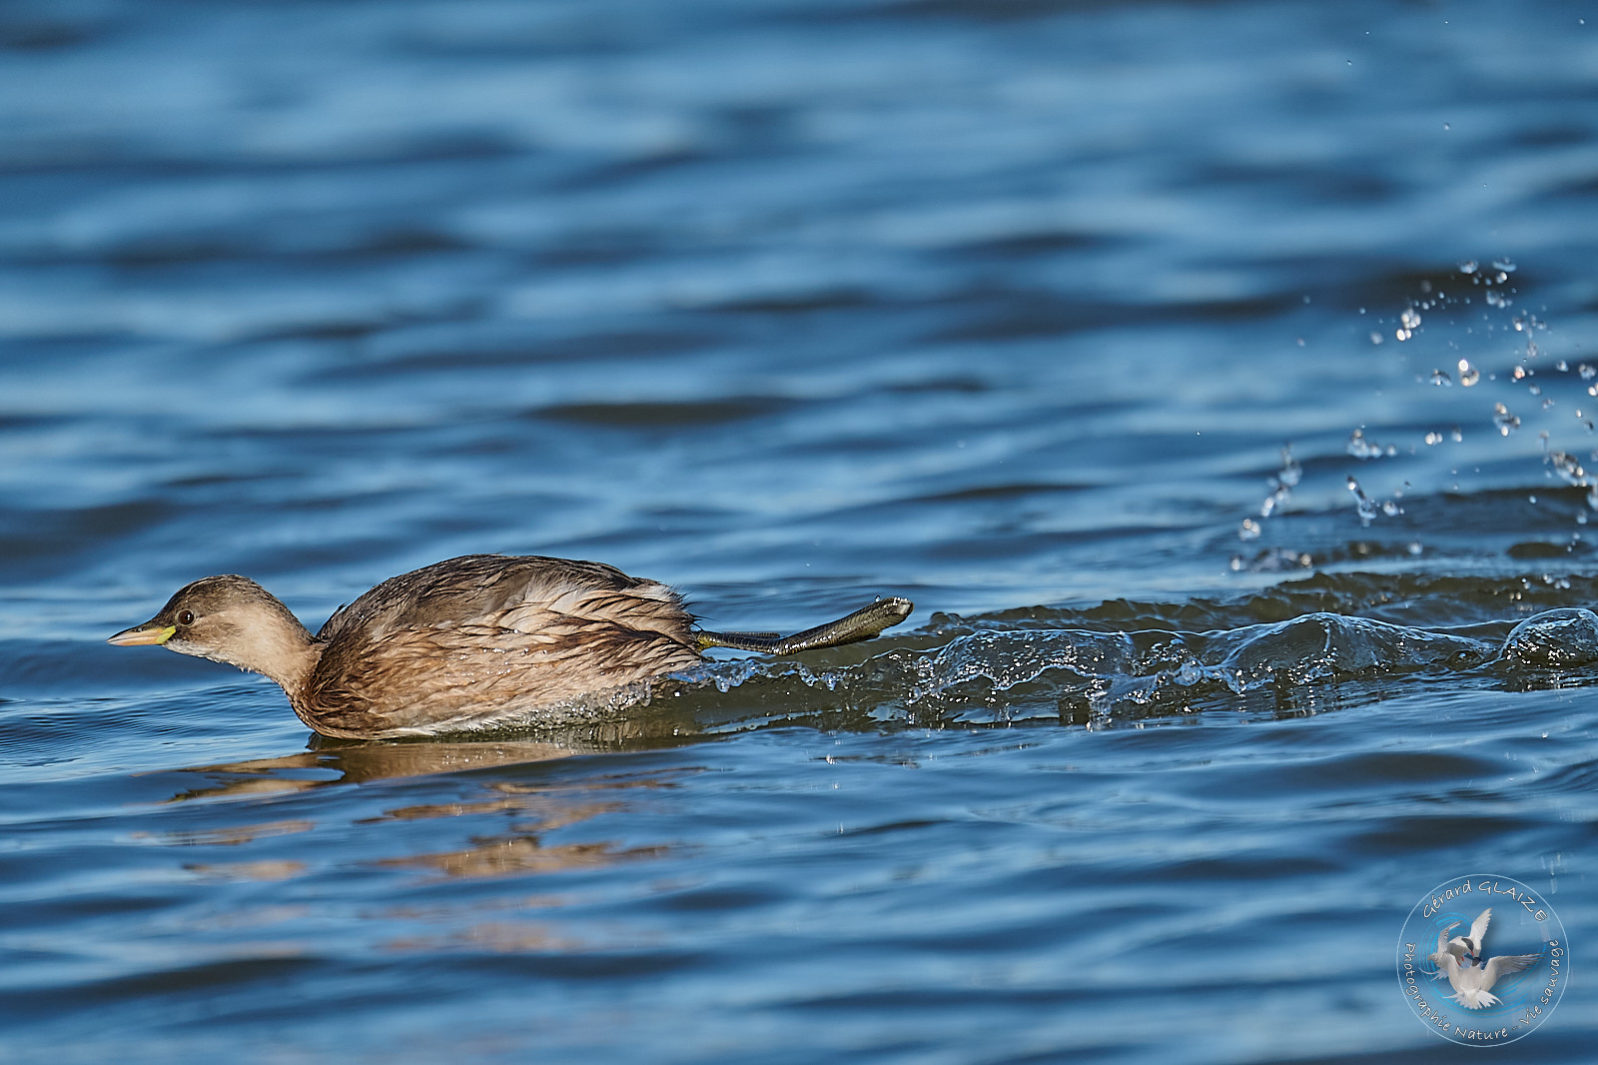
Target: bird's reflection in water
{"points": [[529, 806], [328, 762], [513, 854]]}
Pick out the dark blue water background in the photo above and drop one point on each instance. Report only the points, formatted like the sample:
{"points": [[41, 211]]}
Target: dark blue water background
{"points": [[1010, 307]]}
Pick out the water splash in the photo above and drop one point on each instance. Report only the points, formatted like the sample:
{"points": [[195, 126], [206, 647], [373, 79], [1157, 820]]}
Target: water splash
{"points": [[1281, 485], [1568, 467], [1363, 504], [1471, 316], [1408, 324], [1362, 448], [1273, 560], [1563, 638], [986, 670]]}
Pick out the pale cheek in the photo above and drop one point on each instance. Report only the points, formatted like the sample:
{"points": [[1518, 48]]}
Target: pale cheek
{"points": [[198, 650]]}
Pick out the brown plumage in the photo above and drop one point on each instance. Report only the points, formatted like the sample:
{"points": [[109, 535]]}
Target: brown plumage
{"points": [[474, 642]]}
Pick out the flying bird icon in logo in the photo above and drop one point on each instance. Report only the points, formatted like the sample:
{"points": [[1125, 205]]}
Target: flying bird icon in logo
{"points": [[1459, 960]]}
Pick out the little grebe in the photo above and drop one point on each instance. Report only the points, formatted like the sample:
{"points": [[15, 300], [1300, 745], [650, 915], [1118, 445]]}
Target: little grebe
{"points": [[468, 643]]}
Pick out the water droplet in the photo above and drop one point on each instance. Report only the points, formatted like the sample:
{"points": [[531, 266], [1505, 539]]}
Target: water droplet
{"points": [[1447, 127], [1506, 266], [1506, 422], [1567, 467], [1587, 372], [1291, 472], [1362, 503], [1433, 439], [1282, 484], [1362, 448], [1376, 338], [1469, 266], [1441, 379], [1468, 374], [1250, 530]]}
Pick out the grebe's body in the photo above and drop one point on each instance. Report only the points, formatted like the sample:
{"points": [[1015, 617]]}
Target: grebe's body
{"points": [[469, 643]]}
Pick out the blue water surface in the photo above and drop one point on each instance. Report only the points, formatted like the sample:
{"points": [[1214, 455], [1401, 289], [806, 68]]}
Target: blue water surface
{"points": [[1218, 378]]}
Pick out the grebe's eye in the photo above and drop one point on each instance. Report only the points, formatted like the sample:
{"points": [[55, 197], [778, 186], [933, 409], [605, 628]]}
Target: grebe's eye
{"points": [[186, 618]]}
